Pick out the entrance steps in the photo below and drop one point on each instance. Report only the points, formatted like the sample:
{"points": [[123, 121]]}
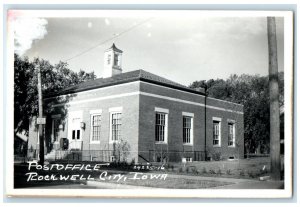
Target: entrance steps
{"points": [[57, 154]]}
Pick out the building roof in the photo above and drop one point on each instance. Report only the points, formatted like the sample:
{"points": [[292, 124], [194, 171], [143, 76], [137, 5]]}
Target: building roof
{"points": [[125, 78], [113, 47]]}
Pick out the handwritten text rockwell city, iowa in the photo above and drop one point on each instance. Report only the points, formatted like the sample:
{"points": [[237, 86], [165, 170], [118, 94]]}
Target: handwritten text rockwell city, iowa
{"points": [[71, 172]]}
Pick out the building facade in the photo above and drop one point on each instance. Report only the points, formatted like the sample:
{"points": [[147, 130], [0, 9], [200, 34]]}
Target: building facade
{"points": [[138, 116]]}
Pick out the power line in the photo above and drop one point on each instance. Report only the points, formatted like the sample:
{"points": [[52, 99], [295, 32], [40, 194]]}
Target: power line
{"points": [[107, 40]]}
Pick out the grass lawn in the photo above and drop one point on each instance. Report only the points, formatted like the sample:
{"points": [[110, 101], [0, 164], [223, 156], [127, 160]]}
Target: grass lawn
{"points": [[245, 168], [168, 182], [173, 183]]}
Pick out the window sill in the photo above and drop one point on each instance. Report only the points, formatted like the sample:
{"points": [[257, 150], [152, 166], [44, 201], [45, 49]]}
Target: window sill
{"points": [[216, 145], [231, 146], [114, 142], [95, 142], [161, 143], [187, 144]]}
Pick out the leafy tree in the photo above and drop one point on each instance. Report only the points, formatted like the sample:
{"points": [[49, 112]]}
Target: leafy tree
{"points": [[54, 78], [253, 92], [24, 71]]}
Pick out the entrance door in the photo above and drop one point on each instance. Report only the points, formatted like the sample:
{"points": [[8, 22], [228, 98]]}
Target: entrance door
{"points": [[75, 133]]}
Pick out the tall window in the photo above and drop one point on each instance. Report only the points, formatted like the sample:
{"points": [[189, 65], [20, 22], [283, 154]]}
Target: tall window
{"points": [[116, 59], [160, 127], [231, 134], [187, 130], [216, 133], [116, 123], [96, 126]]}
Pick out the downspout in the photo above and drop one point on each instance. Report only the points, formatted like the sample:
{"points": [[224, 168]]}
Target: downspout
{"points": [[205, 147]]}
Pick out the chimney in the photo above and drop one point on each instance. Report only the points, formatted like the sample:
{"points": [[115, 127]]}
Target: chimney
{"points": [[200, 89]]}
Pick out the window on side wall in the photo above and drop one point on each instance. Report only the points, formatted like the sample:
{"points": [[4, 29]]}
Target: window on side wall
{"points": [[116, 123], [216, 133], [231, 134], [95, 127], [161, 125], [187, 130]]}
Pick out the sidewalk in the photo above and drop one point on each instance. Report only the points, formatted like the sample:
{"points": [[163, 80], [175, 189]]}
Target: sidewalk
{"points": [[237, 183], [255, 185], [107, 185]]}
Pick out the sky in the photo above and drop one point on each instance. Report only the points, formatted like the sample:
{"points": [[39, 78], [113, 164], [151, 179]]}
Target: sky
{"points": [[183, 49]]}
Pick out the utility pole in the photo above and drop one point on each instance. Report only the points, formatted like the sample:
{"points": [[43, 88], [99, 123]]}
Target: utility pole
{"points": [[40, 118], [274, 100], [205, 144]]}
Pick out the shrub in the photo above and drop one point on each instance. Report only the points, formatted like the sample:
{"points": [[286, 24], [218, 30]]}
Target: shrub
{"points": [[167, 166], [172, 168], [180, 170], [194, 170], [251, 174], [119, 165], [257, 174], [132, 163], [204, 170], [262, 172], [219, 172], [242, 173], [122, 150], [211, 171], [228, 172], [216, 156]]}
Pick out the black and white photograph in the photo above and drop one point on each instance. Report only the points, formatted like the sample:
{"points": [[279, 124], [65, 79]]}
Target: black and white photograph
{"points": [[150, 103]]}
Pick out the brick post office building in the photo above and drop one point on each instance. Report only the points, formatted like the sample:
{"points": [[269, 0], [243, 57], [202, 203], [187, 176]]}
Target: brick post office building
{"points": [[151, 117]]}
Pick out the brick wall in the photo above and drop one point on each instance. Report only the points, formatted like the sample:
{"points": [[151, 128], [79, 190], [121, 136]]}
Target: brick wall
{"points": [[167, 98], [175, 130], [85, 102], [225, 150], [138, 101]]}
